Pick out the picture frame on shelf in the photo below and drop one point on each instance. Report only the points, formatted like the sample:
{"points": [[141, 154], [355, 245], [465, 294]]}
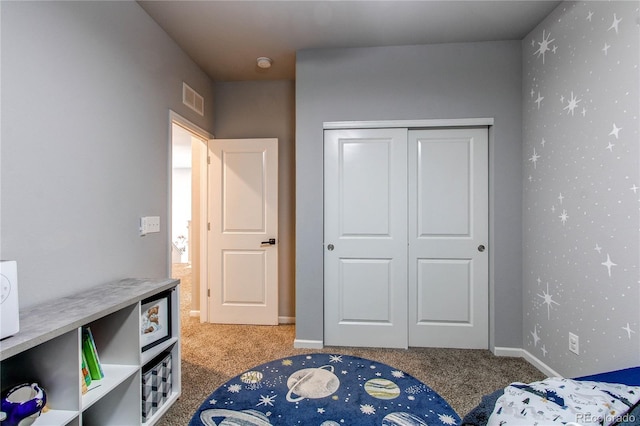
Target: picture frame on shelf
{"points": [[155, 320]]}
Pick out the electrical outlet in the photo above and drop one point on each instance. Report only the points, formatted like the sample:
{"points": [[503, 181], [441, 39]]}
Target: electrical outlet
{"points": [[574, 343]]}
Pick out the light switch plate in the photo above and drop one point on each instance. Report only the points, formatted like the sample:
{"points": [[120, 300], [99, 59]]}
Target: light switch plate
{"points": [[149, 224]]}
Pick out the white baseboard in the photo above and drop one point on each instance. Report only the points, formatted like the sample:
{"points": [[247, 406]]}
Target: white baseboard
{"points": [[308, 344], [194, 314], [521, 353], [514, 352], [286, 320]]}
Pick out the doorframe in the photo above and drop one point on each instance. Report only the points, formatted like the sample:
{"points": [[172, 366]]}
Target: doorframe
{"points": [[175, 118], [427, 124]]}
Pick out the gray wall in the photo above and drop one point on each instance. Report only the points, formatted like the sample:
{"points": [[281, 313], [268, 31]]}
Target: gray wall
{"points": [[412, 82], [568, 284], [86, 93], [266, 109]]}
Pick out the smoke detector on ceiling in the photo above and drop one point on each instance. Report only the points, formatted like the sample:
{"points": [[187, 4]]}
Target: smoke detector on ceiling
{"points": [[264, 62]]}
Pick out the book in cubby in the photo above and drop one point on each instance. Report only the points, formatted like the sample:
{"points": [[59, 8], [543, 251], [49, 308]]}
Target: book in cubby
{"points": [[90, 355], [85, 375]]}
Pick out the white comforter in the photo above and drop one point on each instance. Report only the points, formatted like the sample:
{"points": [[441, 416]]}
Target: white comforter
{"points": [[564, 401]]}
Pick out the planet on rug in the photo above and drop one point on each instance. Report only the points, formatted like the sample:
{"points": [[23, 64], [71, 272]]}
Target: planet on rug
{"points": [[324, 390]]}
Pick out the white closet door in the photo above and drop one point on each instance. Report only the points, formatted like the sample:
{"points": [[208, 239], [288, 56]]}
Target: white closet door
{"points": [[365, 250], [448, 233]]}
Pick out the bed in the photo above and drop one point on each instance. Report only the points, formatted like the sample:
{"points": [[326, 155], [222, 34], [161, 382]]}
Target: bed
{"points": [[610, 398]]}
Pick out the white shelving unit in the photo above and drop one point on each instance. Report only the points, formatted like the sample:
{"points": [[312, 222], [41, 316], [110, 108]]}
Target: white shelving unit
{"points": [[47, 350]]}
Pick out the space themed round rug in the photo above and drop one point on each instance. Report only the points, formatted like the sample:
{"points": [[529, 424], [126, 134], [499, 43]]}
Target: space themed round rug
{"points": [[324, 390]]}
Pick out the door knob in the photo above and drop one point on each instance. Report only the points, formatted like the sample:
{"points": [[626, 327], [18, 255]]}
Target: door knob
{"points": [[270, 241], [481, 248], [330, 247]]}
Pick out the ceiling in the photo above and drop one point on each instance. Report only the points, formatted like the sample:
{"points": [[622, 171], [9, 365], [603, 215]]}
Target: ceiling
{"points": [[226, 37]]}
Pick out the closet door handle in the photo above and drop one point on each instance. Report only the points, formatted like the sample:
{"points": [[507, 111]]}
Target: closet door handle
{"points": [[481, 248], [270, 241]]}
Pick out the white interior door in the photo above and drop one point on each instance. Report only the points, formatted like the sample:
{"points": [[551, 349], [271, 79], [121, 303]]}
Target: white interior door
{"points": [[243, 217], [365, 238], [448, 233]]}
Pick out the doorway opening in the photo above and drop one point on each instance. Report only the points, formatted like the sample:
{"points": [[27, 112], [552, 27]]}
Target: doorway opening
{"points": [[188, 211]]}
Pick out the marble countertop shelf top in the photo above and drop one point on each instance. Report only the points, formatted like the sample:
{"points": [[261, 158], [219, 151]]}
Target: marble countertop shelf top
{"points": [[51, 319]]}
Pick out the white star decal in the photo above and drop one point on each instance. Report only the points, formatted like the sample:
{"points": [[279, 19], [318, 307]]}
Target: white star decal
{"points": [[610, 146], [548, 300], [560, 197], [573, 103], [542, 142], [213, 401], [544, 45], [628, 330], [589, 16], [615, 131], [536, 338], [534, 158], [614, 25], [598, 248], [321, 410], [609, 264], [544, 350], [539, 100], [634, 188], [605, 49], [564, 216]]}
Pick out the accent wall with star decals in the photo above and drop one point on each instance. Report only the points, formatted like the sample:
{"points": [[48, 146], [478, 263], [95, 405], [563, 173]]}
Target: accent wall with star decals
{"points": [[582, 187]]}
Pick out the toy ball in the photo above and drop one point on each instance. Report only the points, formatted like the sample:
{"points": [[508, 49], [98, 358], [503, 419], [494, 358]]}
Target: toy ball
{"points": [[22, 405]]}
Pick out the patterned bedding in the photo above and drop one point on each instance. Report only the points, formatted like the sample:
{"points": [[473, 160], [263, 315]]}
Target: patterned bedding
{"points": [[559, 401]]}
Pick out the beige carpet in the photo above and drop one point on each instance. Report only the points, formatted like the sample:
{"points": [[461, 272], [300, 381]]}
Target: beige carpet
{"points": [[214, 353]]}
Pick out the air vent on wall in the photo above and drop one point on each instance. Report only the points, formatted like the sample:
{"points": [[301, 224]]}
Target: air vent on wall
{"points": [[192, 99]]}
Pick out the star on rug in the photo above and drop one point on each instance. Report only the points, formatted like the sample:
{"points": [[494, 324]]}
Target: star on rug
{"points": [[324, 390]]}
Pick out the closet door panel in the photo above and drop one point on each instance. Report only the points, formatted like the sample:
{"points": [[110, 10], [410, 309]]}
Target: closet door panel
{"points": [[365, 188], [443, 290], [443, 187], [365, 247], [448, 223]]}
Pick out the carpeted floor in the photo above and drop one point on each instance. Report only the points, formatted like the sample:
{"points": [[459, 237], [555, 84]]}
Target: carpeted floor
{"points": [[214, 353]]}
